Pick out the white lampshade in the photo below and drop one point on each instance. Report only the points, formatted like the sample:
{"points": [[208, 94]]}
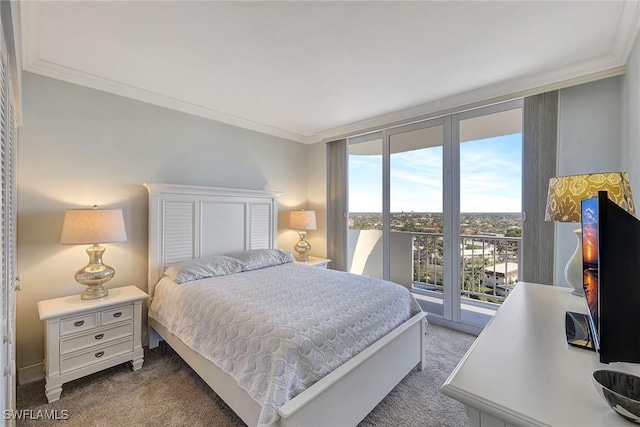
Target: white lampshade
{"points": [[88, 226], [93, 226], [302, 220]]}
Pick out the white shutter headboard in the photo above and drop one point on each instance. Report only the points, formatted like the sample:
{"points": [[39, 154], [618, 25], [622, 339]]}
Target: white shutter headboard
{"points": [[187, 221]]}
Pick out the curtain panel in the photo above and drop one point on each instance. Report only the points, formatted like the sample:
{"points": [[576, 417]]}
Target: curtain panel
{"points": [[337, 203], [539, 158]]}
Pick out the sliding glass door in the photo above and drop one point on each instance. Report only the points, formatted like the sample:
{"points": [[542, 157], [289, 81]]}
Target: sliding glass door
{"points": [[416, 195], [489, 141], [365, 245], [436, 206]]}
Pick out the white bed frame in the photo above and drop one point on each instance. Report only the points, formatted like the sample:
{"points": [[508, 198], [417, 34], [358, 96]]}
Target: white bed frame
{"points": [[190, 222]]}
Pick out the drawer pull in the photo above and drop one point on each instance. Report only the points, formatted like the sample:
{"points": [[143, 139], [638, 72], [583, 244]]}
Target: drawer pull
{"points": [[100, 354], [118, 314], [99, 336], [78, 323]]}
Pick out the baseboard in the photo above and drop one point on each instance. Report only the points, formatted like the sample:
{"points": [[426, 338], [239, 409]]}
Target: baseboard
{"points": [[461, 327], [31, 373]]}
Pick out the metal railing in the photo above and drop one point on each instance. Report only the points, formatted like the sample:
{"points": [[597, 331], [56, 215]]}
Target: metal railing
{"points": [[488, 265]]}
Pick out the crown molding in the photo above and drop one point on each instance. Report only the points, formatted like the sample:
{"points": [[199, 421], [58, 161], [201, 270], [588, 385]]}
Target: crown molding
{"points": [[603, 67], [32, 62], [599, 68], [608, 65], [70, 75], [627, 30]]}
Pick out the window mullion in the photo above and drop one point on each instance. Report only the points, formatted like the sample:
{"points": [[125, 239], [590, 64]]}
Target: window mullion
{"points": [[386, 204]]}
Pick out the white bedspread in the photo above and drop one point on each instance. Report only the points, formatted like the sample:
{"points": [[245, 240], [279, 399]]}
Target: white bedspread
{"points": [[280, 329]]}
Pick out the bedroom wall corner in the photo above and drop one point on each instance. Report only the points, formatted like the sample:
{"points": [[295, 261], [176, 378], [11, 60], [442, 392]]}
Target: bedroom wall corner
{"points": [[630, 149], [589, 140], [80, 147]]}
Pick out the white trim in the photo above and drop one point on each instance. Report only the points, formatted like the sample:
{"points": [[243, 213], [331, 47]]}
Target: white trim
{"points": [[451, 221], [32, 62], [610, 64], [603, 67], [386, 204], [70, 75], [600, 68], [31, 373], [12, 34], [29, 32], [208, 191], [435, 319], [627, 30]]}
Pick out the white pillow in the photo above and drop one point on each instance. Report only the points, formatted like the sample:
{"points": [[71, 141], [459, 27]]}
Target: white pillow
{"points": [[212, 266], [261, 258]]}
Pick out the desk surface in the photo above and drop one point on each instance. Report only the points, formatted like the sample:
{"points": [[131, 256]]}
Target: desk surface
{"points": [[521, 370]]}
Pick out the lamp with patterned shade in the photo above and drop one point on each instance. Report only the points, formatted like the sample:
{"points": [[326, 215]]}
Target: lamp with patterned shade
{"points": [[564, 205]]}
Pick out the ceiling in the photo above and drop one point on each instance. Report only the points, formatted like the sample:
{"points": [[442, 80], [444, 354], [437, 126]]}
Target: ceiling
{"points": [[312, 71]]}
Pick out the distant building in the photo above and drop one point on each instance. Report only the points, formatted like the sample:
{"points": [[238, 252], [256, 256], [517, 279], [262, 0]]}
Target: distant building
{"points": [[503, 277], [470, 249]]}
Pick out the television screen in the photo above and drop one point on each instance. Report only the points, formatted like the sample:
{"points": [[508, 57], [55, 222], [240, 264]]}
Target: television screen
{"points": [[590, 263], [611, 272]]}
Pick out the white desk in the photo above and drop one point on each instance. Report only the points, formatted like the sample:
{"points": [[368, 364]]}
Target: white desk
{"points": [[521, 371]]}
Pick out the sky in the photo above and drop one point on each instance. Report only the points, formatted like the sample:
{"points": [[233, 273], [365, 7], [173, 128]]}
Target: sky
{"points": [[490, 178]]}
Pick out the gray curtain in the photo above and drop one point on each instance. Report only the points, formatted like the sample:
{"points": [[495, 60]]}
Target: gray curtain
{"points": [[337, 209], [540, 134]]}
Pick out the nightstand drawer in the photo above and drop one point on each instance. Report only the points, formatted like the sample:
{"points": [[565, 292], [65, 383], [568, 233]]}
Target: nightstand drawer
{"points": [[86, 336], [117, 314], [72, 325], [97, 337], [96, 355]]}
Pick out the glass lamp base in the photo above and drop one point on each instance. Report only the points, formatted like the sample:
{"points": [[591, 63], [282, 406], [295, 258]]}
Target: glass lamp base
{"points": [[94, 291], [94, 274], [302, 247]]}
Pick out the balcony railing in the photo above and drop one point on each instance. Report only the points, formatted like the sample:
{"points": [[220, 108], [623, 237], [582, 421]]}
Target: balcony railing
{"points": [[488, 265]]}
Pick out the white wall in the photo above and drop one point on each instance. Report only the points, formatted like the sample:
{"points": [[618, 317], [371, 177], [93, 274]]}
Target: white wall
{"points": [[589, 140], [80, 147], [317, 196], [630, 150]]}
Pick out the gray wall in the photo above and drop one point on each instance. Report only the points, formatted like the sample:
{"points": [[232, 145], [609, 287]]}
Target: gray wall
{"points": [[630, 150], [80, 147], [317, 195], [589, 140]]}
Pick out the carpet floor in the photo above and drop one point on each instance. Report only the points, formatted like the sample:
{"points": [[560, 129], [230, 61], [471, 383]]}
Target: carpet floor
{"points": [[166, 392]]}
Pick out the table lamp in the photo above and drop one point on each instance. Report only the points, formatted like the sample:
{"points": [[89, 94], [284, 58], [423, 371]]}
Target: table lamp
{"points": [[302, 221], [93, 226], [564, 205]]}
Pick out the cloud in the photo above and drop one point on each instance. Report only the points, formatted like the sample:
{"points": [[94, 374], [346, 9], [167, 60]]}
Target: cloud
{"points": [[490, 178]]}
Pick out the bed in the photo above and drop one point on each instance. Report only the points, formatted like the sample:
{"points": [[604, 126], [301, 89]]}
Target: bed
{"points": [[188, 222]]}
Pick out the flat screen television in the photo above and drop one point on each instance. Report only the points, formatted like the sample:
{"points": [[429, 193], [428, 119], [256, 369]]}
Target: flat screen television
{"points": [[611, 267]]}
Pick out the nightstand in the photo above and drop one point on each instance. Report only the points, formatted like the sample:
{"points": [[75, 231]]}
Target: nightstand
{"points": [[316, 262], [86, 336]]}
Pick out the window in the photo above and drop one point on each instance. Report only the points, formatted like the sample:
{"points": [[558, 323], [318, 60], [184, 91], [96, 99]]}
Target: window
{"points": [[435, 204]]}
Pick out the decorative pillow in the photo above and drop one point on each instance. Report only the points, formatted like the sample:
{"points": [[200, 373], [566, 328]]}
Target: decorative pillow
{"points": [[261, 258], [212, 266]]}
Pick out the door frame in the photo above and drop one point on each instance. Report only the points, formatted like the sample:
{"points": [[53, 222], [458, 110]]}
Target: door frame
{"points": [[451, 297]]}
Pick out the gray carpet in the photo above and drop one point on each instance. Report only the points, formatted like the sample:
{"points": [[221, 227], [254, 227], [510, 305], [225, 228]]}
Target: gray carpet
{"points": [[166, 392]]}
